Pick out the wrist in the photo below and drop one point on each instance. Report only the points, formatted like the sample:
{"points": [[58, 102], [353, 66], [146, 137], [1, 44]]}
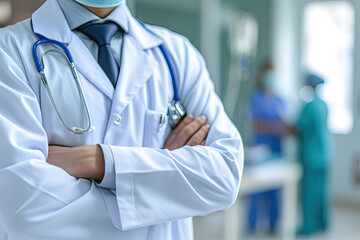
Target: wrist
{"points": [[99, 163], [90, 162]]}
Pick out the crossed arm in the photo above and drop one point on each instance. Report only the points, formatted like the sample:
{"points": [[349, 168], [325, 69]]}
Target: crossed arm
{"points": [[87, 161]]}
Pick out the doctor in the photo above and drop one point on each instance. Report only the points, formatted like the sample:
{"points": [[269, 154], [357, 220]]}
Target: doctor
{"points": [[131, 176], [315, 154]]}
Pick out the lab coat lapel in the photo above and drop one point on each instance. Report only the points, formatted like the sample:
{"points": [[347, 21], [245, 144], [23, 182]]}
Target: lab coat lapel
{"points": [[136, 68], [89, 67], [137, 64], [50, 22]]}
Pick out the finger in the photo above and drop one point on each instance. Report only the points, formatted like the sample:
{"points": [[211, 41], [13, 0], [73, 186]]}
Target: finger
{"points": [[203, 143], [188, 131], [199, 136], [178, 129]]}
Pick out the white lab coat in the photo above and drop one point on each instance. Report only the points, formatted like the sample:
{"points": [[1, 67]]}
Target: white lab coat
{"points": [[157, 191]]}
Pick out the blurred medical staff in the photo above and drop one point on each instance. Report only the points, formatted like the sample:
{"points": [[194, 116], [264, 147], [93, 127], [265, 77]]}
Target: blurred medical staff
{"points": [[266, 111], [315, 154]]}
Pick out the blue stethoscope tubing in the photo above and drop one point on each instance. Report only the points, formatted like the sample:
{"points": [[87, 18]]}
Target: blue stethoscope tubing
{"points": [[173, 75], [176, 110], [170, 63], [43, 40]]}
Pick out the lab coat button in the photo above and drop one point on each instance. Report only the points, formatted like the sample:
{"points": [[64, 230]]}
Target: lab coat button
{"points": [[118, 120]]}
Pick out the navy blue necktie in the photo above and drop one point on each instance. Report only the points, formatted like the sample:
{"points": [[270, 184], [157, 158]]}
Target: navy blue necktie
{"points": [[102, 33]]}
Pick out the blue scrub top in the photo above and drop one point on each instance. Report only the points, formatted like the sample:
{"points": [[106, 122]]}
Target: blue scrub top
{"points": [[266, 107]]}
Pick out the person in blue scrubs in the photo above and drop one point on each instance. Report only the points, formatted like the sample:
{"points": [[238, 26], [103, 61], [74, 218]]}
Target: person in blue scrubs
{"points": [[266, 110], [314, 153]]}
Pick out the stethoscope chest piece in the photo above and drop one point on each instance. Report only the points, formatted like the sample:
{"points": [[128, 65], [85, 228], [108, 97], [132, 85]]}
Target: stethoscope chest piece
{"points": [[177, 113]]}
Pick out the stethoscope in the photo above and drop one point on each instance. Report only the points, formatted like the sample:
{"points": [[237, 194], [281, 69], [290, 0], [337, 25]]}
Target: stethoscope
{"points": [[176, 110]]}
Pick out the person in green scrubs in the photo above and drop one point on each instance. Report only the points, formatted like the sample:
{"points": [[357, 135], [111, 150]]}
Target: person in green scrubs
{"points": [[315, 154]]}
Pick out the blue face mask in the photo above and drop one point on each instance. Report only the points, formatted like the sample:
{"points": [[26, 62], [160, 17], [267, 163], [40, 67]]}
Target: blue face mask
{"points": [[269, 80], [100, 3]]}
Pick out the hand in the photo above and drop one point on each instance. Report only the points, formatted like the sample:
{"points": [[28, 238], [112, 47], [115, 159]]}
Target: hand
{"points": [[290, 129], [81, 162], [189, 132], [270, 127]]}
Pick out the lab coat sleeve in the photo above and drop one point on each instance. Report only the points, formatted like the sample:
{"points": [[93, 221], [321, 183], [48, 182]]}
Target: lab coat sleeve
{"points": [[155, 185], [35, 195], [109, 176]]}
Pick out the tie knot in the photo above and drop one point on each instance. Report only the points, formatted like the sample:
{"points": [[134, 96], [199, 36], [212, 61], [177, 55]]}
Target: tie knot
{"points": [[101, 33]]}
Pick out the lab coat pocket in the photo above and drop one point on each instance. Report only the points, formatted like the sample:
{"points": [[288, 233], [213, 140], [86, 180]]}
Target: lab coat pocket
{"points": [[157, 129]]}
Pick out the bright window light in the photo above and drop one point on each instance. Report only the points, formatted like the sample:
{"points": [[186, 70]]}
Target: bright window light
{"points": [[329, 52]]}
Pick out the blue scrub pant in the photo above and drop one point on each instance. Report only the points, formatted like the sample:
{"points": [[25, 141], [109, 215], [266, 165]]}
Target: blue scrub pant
{"points": [[264, 205]]}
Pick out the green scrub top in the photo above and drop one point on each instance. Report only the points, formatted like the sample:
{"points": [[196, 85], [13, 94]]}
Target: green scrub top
{"points": [[314, 137]]}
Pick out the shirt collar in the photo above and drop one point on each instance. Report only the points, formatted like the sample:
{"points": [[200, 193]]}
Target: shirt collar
{"points": [[77, 15], [50, 22]]}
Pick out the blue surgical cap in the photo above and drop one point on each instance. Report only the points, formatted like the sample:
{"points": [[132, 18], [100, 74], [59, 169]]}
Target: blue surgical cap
{"points": [[314, 80]]}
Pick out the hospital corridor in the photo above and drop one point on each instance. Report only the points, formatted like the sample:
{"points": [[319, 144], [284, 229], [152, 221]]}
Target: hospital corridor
{"points": [[180, 119]]}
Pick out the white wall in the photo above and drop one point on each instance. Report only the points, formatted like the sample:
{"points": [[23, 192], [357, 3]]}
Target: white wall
{"points": [[348, 146]]}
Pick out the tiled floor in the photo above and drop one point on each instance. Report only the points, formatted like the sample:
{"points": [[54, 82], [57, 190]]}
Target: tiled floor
{"points": [[345, 226]]}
